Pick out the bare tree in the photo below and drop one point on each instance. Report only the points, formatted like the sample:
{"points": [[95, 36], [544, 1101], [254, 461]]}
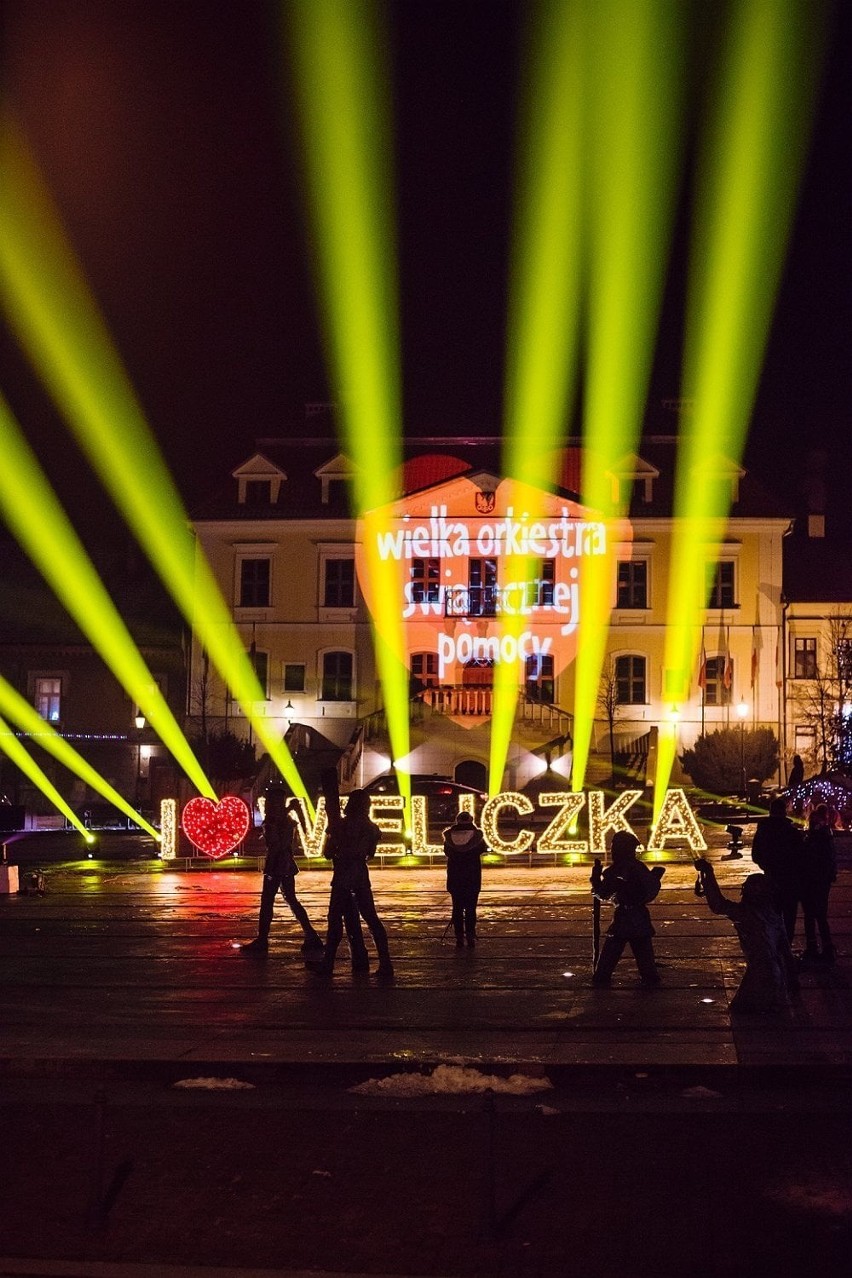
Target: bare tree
{"points": [[609, 707], [824, 703], [202, 697]]}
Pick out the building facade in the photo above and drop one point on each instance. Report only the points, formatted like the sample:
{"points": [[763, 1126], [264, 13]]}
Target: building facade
{"points": [[286, 553]]}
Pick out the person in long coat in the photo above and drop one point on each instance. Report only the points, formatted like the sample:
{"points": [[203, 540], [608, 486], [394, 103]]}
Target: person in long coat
{"points": [[770, 976], [777, 849], [629, 885], [351, 846], [818, 872], [279, 875], [463, 848]]}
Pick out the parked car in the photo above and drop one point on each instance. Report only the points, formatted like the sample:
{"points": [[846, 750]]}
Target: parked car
{"points": [[442, 795], [104, 816]]}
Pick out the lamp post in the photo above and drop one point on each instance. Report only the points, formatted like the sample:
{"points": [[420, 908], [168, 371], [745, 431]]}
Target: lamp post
{"points": [[742, 712], [140, 724]]}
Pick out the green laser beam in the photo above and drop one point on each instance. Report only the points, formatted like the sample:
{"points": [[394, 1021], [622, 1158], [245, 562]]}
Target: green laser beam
{"points": [[335, 50], [14, 707], [50, 306], [634, 55], [15, 751], [33, 513], [753, 146]]}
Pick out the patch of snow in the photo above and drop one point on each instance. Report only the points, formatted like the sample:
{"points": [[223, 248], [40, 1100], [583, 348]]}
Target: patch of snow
{"points": [[451, 1079], [823, 1198], [215, 1084]]}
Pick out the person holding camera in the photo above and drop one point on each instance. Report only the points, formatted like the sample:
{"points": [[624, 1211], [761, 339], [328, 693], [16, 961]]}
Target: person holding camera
{"points": [[770, 976], [463, 848], [630, 886]]}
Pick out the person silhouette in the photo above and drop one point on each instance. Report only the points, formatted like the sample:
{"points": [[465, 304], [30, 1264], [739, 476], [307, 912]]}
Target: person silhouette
{"points": [[770, 976], [351, 845], [630, 885], [463, 848], [777, 849], [279, 874], [818, 872]]}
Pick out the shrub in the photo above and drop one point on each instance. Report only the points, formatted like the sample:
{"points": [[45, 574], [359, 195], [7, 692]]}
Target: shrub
{"points": [[715, 762]]}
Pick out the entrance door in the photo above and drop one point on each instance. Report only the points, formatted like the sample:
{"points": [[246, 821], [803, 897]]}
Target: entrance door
{"points": [[471, 773]]}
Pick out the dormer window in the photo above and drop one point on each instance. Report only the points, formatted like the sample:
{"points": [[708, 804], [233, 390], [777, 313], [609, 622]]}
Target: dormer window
{"points": [[632, 479], [334, 476], [258, 482], [258, 492]]}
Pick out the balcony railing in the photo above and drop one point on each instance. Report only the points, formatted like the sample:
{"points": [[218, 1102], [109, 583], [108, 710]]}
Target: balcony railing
{"points": [[485, 601]]}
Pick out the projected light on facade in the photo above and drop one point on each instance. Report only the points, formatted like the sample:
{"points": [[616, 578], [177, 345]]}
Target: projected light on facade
{"points": [[460, 602]]}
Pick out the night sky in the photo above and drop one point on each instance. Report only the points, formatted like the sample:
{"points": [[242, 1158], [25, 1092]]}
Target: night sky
{"points": [[164, 130]]}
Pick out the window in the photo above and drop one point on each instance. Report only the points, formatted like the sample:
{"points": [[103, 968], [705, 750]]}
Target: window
{"points": [[718, 681], [424, 671], [258, 492], [425, 580], [630, 680], [543, 587], [254, 583], [339, 591], [48, 697], [721, 581], [482, 587], [294, 677], [260, 665], [632, 584], [804, 659], [336, 677], [539, 681]]}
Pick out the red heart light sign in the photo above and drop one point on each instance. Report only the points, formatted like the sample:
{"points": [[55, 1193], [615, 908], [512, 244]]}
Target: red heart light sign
{"points": [[216, 828], [477, 571]]}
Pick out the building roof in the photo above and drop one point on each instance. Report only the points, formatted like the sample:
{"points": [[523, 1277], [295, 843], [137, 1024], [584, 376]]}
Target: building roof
{"points": [[430, 461]]}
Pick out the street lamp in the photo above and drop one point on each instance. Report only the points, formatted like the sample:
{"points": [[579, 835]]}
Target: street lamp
{"points": [[742, 712]]}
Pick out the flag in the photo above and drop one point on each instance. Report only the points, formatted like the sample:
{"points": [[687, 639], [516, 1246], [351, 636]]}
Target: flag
{"points": [[755, 654], [702, 669], [728, 672], [779, 672]]}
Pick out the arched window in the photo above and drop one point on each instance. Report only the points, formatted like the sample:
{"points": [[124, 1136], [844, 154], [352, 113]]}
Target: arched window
{"points": [[424, 671], [539, 682], [337, 681], [631, 680]]}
